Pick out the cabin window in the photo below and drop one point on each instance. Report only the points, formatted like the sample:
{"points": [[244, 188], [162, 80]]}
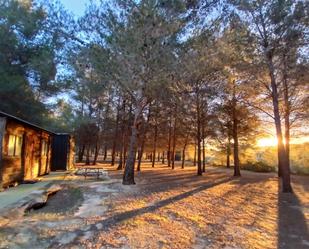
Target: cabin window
{"points": [[14, 146], [44, 148]]}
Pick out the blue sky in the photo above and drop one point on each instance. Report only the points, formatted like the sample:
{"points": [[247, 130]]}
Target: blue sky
{"points": [[77, 7]]}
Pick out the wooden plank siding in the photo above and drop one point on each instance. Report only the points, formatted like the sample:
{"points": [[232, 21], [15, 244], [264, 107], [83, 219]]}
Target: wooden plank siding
{"points": [[30, 163]]}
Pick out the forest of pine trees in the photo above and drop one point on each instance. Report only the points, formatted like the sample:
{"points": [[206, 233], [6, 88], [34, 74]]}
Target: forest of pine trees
{"points": [[156, 77]]}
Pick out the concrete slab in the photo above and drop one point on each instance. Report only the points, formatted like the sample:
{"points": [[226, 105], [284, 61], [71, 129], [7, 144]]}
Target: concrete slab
{"points": [[15, 194]]}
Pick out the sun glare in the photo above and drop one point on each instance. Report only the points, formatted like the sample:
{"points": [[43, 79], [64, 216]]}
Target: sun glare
{"points": [[266, 142]]}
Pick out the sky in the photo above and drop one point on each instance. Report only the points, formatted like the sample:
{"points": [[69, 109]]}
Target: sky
{"points": [[77, 7]]}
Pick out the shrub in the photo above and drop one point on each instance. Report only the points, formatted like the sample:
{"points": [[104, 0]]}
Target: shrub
{"points": [[258, 167]]}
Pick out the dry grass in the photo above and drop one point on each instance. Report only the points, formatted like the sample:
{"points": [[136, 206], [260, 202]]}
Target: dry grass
{"points": [[177, 209]]}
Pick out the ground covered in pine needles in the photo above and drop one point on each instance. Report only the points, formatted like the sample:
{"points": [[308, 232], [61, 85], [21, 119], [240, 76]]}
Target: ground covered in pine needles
{"points": [[169, 209]]}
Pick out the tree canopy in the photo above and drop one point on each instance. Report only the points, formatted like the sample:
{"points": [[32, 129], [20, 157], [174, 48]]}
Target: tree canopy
{"points": [[155, 77]]}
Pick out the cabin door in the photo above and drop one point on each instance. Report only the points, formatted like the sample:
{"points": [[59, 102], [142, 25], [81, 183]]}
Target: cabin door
{"points": [[44, 156], [29, 158], [31, 163]]}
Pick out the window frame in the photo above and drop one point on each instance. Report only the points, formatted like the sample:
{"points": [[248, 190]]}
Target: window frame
{"points": [[17, 148]]}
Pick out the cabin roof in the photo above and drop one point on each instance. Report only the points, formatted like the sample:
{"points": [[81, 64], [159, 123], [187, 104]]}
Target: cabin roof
{"points": [[19, 120]]}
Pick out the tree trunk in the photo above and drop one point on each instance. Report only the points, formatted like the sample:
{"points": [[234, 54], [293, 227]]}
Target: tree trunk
{"points": [[163, 157], [128, 176], [174, 142], [123, 128], [154, 146], [105, 153], [228, 152], [88, 155], [125, 150], [183, 156], [203, 140], [169, 143], [235, 133], [115, 136], [204, 156], [141, 152], [287, 111], [282, 155], [96, 153], [194, 159], [120, 163], [81, 153], [139, 162], [198, 136]]}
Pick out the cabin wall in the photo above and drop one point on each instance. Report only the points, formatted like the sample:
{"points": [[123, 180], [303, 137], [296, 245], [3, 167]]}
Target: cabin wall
{"points": [[12, 165], [2, 134], [31, 162]]}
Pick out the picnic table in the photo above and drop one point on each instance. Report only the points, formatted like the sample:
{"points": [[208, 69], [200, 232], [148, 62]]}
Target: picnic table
{"points": [[92, 171]]}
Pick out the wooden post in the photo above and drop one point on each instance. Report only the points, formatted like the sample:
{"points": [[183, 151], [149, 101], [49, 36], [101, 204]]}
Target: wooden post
{"points": [[40, 160], [2, 133], [47, 169]]}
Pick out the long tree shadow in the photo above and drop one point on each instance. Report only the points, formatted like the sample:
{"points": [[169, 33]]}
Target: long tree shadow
{"points": [[292, 228], [114, 220]]}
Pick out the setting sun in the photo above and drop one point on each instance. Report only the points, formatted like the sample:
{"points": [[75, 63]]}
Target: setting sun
{"points": [[272, 141], [266, 142]]}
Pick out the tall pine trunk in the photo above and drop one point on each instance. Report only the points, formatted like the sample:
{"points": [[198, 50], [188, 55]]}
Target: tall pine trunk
{"points": [[120, 162], [141, 151], [228, 152], [139, 159], [88, 155], [81, 153], [105, 153], [174, 141], [163, 157], [282, 155], [204, 156], [194, 158], [198, 135], [203, 144], [128, 176], [235, 133], [154, 150], [169, 143], [123, 131], [115, 136], [287, 110], [183, 158], [122, 149], [96, 154]]}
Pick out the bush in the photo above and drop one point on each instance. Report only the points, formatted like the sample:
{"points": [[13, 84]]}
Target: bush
{"points": [[258, 167], [299, 170]]}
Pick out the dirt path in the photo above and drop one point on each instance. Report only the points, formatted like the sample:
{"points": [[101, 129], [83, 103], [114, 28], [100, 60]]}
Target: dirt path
{"points": [[174, 209]]}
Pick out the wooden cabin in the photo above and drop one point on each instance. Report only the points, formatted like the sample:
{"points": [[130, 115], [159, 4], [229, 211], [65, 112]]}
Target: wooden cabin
{"points": [[26, 150]]}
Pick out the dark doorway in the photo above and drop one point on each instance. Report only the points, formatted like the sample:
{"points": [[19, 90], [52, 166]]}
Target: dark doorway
{"points": [[60, 151]]}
